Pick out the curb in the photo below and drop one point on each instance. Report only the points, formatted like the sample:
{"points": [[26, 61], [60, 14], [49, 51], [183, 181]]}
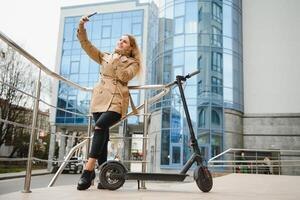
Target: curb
{"points": [[23, 175]]}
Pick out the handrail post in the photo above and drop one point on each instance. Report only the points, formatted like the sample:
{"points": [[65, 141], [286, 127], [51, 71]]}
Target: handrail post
{"points": [[234, 163], [143, 186], [89, 134], [32, 135], [257, 168]]}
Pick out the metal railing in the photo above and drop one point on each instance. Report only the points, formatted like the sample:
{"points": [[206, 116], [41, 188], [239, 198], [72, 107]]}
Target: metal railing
{"points": [[37, 100], [41, 68], [256, 161]]}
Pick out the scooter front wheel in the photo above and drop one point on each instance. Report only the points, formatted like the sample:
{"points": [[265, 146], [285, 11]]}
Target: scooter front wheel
{"points": [[203, 178], [112, 176]]}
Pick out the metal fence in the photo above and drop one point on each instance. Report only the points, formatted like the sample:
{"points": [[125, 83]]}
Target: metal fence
{"points": [[39, 98], [256, 161]]}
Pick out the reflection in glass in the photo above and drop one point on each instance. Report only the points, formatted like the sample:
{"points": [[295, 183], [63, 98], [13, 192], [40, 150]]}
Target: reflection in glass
{"points": [[103, 31]]}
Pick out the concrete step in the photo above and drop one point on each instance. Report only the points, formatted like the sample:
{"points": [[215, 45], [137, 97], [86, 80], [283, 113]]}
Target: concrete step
{"points": [[228, 187]]}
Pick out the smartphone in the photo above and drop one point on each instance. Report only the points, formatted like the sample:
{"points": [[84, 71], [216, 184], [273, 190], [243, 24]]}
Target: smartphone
{"points": [[92, 14]]}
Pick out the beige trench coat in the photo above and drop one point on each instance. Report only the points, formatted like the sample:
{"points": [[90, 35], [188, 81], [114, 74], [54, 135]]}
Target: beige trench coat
{"points": [[111, 92]]}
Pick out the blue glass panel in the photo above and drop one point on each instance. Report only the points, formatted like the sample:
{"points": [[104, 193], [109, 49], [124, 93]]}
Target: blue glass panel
{"points": [[69, 19], [83, 78], [60, 120], [190, 63], [179, 25], [138, 13], [94, 68], [191, 40], [105, 42], [107, 16], [178, 41], [74, 78], [165, 150], [179, 10], [67, 45], [176, 154], [136, 29], [70, 120], [116, 28], [126, 25], [178, 58], [96, 34], [117, 15], [84, 64], [65, 65], [93, 77], [74, 67], [68, 32], [106, 31], [76, 45], [166, 113]]}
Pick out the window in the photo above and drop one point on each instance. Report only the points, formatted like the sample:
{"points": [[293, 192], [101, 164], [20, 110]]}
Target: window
{"points": [[137, 29], [65, 65], [178, 25], [72, 100], [215, 118], [216, 85], [176, 154], [217, 12], [165, 150], [201, 118], [103, 30], [178, 41], [74, 67], [217, 36], [116, 28], [96, 30], [106, 31], [216, 62], [191, 40], [179, 9], [199, 88], [199, 63], [126, 25], [178, 58], [166, 117], [191, 17], [200, 14], [68, 32]]}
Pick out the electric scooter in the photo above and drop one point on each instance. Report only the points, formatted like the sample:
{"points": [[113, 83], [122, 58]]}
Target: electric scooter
{"points": [[113, 173]]}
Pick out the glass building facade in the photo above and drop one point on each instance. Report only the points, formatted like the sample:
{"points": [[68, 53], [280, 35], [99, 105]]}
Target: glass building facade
{"points": [[205, 35], [103, 31]]}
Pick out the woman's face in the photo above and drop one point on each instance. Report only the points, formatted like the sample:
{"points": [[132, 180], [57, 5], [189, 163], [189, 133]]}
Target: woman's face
{"points": [[123, 43]]}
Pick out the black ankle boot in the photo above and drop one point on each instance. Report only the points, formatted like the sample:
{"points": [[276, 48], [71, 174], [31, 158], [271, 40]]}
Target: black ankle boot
{"points": [[86, 179]]}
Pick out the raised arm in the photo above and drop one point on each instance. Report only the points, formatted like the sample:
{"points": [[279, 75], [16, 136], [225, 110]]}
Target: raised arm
{"points": [[88, 47]]}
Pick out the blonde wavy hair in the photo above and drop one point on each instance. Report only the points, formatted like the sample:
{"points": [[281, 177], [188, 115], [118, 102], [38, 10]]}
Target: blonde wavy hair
{"points": [[135, 53]]}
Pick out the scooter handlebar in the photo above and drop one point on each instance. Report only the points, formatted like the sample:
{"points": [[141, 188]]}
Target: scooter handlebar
{"points": [[192, 74], [185, 77]]}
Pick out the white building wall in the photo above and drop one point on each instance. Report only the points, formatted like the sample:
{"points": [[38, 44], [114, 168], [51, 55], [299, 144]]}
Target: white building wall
{"points": [[271, 52]]}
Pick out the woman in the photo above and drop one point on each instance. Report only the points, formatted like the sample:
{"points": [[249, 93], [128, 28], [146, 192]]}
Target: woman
{"points": [[110, 97]]}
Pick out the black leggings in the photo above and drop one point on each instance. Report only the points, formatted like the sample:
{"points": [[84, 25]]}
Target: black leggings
{"points": [[103, 120]]}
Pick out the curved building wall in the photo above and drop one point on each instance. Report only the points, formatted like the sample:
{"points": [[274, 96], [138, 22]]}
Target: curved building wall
{"points": [[205, 35]]}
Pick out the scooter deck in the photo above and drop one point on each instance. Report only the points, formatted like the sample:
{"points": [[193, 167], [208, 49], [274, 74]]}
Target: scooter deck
{"points": [[155, 176]]}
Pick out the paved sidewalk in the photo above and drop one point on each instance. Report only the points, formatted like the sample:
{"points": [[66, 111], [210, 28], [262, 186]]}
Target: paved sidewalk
{"points": [[229, 187], [35, 172]]}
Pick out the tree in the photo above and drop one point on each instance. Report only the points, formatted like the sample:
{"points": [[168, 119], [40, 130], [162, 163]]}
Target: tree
{"points": [[16, 72]]}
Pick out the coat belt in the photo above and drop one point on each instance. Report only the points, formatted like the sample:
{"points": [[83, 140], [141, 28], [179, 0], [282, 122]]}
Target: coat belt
{"points": [[115, 81]]}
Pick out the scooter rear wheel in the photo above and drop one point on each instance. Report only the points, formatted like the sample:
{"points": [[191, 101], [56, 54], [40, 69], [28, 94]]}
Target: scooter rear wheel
{"points": [[203, 178], [112, 176]]}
